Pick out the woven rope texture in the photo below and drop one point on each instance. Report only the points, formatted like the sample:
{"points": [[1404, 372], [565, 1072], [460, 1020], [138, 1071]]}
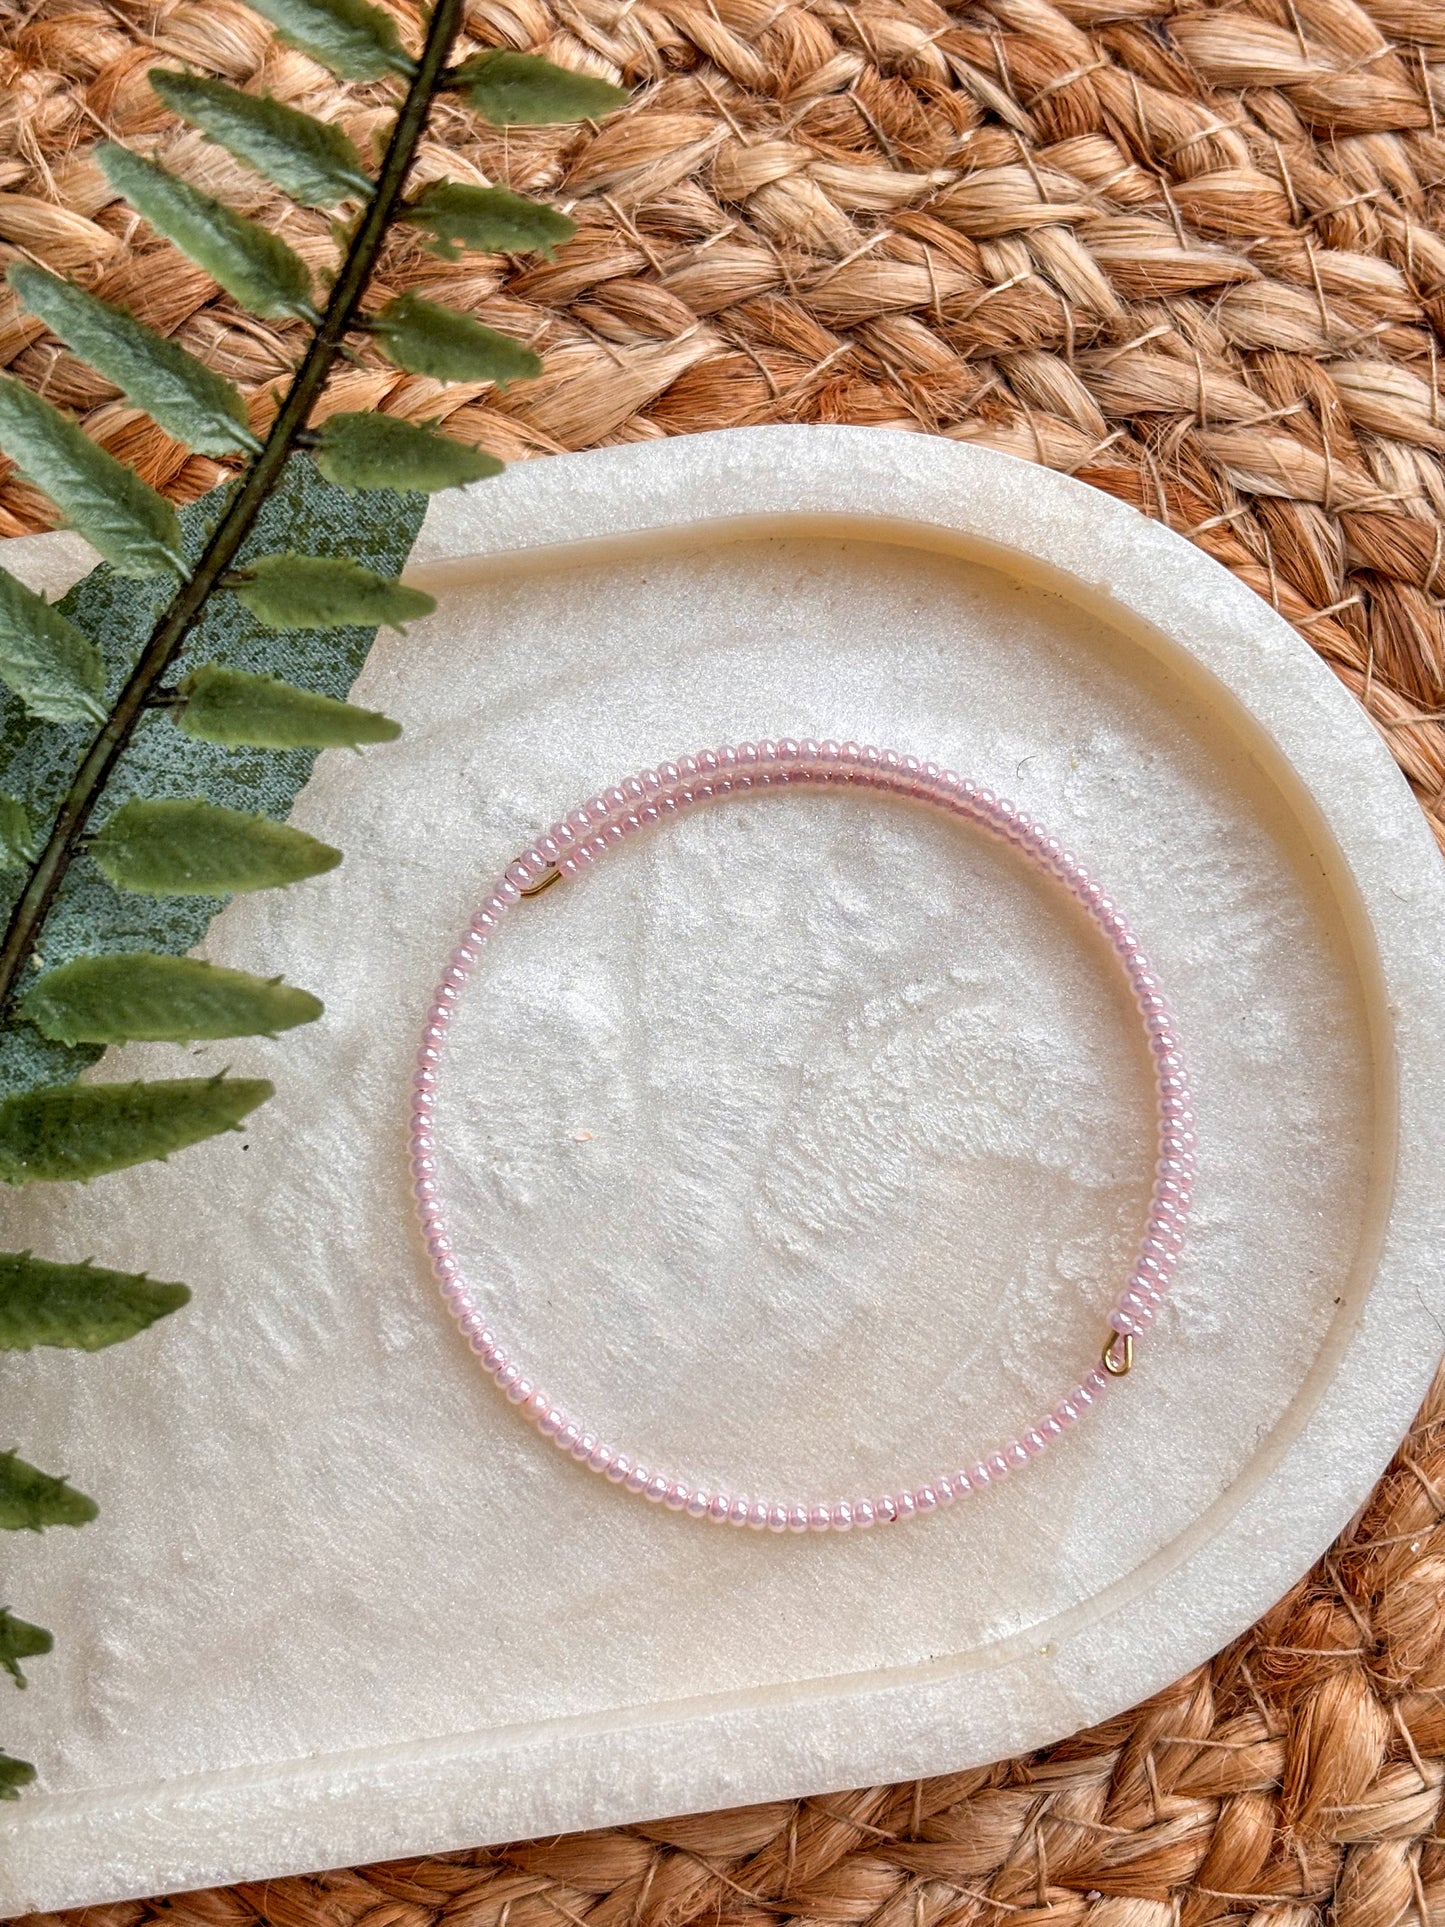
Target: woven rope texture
{"points": [[1188, 253]]}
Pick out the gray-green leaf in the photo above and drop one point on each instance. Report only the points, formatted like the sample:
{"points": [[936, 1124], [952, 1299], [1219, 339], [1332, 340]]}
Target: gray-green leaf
{"points": [[20, 1640], [309, 159], [254, 266], [425, 338], [76, 1132], [14, 1774], [356, 41], [231, 706], [144, 996], [519, 90], [321, 592], [53, 667], [31, 1499], [492, 220], [134, 528], [77, 1307], [179, 848], [17, 838], [201, 409], [381, 451]]}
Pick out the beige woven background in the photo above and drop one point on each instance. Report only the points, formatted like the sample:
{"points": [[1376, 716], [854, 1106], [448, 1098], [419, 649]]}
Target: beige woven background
{"points": [[1190, 253]]}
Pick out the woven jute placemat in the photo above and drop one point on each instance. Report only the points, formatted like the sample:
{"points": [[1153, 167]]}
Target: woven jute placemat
{"points": [[1189, 253]]}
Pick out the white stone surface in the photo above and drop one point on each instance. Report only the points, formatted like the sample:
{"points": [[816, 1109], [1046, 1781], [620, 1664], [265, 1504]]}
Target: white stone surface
{"points": [[802, 1143]]}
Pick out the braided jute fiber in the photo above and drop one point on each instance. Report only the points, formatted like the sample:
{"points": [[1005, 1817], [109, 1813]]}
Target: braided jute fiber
{"points": [[1189, 253]]}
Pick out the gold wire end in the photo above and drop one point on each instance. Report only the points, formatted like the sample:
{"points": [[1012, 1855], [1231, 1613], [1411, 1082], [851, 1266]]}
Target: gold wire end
{"points": [[548, 878], [1115, 1362]]}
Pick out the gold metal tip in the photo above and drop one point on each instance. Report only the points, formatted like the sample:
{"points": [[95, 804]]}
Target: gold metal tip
{"points": [[548, 878], [1115, 1363]]}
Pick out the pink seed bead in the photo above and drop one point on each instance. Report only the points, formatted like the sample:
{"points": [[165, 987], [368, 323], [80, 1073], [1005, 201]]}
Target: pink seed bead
{"points": [[819, 1518], [797, 1518]]}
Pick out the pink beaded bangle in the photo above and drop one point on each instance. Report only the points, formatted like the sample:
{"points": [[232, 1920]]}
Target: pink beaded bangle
{"points": [[567, 851]]}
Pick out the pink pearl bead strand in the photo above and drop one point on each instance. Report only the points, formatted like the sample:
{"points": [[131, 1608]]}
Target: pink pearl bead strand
{"points": [[567, 851]]}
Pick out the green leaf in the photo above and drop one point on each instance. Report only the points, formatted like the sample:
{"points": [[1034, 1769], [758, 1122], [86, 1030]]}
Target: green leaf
{"points": [[80, 1131], [308, 159], [197, 407], [31, 1499], [320, 592], [424, 338], [380, 451], [254, 266], [20, 1640], [356, 41], [134, 528], [14, 1774], [518, 90], [55, 670], [492, 220], [220, 705], [17, 838], [195, 849], [78, 1307], [138, 995]]}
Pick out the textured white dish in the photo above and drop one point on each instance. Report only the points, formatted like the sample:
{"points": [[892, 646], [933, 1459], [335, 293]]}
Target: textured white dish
{"points": [[806, 1138]]}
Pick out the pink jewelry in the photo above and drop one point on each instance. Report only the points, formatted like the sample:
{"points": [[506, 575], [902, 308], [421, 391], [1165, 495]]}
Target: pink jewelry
{"points": [[567, 851]]}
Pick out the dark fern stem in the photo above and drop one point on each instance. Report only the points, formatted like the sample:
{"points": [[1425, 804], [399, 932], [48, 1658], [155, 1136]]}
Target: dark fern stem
{"points": [[169, 636]]}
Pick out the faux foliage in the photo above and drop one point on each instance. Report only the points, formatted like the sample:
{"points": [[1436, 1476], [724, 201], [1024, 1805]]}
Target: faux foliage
{"points": [[180, 394], [255, 267], [137, 996], [20, 1640], [53, 667], [31, 1500], [180, 849], [310, 160], [133, 528], [157, 722], [379, 451], [231, 706], [80, 1307], [426, 339]]}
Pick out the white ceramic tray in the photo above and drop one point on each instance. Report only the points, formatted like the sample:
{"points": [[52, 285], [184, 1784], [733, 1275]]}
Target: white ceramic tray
{"points": [[805, 1139]]}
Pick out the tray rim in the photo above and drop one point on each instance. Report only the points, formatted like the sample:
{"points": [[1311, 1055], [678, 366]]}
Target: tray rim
{"points": [[441, 1794]]}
